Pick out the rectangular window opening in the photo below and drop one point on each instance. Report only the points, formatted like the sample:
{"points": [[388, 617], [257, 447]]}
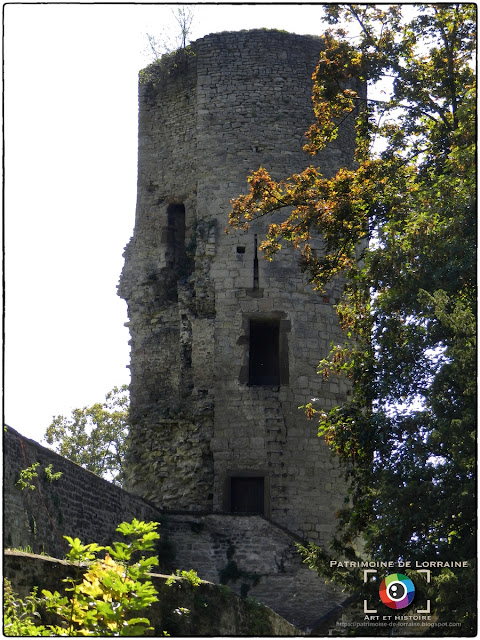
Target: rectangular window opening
{"points": [[176, 234], [264, 353], [247, 495]]}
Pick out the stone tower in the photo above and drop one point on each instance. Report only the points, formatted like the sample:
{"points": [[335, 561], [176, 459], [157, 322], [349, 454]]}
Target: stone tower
{"points": [[224, 345]]}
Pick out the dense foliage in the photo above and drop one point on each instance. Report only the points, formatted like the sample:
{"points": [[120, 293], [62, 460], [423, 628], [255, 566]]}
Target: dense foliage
{"points": [[108, 599], [399, 228], [94, 437]]}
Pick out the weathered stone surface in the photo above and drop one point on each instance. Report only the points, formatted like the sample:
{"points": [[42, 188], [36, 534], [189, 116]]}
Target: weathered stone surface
{"points": [[254, 557], [79, 504], [207, 119]]}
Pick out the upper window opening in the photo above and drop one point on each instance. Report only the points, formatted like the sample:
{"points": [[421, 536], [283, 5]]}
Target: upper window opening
{"points": [[175, 235], [264, 354]]}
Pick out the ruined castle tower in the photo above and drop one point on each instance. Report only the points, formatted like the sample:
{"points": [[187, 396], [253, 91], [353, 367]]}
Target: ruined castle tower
{"points": [[225, 345]]}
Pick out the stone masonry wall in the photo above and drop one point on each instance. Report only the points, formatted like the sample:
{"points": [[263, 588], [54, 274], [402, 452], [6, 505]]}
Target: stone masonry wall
{"points": [[254, 93], [207, 119], [255, 558], [163, 301], [79, 504]]}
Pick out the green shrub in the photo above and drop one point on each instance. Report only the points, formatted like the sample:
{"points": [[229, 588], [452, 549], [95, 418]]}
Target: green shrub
{"points": [[104, 600], [20, 617]]}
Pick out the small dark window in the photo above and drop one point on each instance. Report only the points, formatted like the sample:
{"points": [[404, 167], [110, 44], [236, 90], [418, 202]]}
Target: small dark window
{"points": [[247, 495], [264, 356], [240, 249], [176, 235]]}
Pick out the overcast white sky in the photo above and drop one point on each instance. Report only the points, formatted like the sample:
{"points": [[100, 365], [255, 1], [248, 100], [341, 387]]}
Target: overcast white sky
{"points": [[70, 189]]}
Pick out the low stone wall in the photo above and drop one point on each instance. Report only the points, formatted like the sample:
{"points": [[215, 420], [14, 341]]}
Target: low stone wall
{"points": [[79, 504], [213, 611]]}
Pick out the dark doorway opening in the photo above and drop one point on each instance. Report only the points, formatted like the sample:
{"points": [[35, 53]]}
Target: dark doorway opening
{"points": [[247, 495], [264, 354]]}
